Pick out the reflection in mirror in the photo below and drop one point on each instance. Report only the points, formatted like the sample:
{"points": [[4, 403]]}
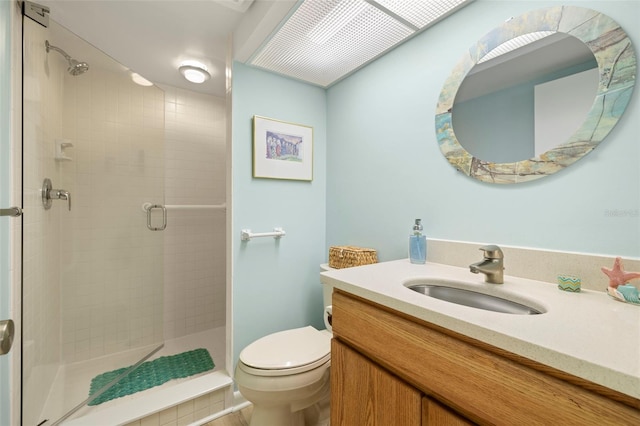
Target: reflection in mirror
{"points": [[537, 95], [562, 28]]}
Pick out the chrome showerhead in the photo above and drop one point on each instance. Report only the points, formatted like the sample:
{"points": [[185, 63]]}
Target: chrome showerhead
{"points": [[75, 67]]}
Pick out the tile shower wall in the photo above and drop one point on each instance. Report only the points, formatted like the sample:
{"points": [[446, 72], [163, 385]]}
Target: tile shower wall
{"points": [[194, 261], [41, 289], [111, 264]]}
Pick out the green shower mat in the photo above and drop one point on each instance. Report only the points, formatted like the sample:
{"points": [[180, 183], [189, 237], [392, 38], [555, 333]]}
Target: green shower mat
{"points": [[150, 374]]}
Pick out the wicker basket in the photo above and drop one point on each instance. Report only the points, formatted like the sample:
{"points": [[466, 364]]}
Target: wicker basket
{"points": [[348, 256]]}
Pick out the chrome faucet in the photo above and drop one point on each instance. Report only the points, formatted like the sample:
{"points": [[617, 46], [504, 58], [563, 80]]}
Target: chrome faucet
{"points": [[492, 265]]}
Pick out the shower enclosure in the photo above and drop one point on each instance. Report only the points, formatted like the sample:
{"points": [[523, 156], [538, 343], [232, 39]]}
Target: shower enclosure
{"points": [[93, 154], [107, 282]]}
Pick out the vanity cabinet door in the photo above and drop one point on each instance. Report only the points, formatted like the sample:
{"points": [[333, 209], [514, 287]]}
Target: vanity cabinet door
{"points": [[436, 414], [362, 393]]}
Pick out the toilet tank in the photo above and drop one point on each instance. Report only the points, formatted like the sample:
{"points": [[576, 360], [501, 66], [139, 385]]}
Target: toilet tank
{"points": [[327, 291], [326, 288]]}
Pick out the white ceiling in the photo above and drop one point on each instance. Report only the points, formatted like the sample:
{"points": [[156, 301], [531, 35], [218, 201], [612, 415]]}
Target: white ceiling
{"points": [[152, 37]]}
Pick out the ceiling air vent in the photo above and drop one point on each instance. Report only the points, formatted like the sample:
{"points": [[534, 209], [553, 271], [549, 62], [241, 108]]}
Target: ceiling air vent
{"points": [[324, 41]]}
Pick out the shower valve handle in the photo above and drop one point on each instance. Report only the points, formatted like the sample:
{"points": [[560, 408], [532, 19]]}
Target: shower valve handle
{"points": [[49, 194], [61, 194]]}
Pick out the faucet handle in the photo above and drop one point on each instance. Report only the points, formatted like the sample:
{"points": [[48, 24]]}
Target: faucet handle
{"points": [[492, 251], [65, 195]]}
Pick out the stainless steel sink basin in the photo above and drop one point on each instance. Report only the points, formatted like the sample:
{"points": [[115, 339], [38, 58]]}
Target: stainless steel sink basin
{"points": [[473, 299]]}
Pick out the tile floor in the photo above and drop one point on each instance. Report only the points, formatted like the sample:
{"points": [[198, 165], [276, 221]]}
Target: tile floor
{"points": [[238, 418]]}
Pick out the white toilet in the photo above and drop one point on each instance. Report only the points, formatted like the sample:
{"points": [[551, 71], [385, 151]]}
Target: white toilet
{"points": [[285, 375]]}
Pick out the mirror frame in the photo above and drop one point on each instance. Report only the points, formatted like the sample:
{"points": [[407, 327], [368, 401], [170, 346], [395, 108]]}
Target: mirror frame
{"points": [[616, 59]]}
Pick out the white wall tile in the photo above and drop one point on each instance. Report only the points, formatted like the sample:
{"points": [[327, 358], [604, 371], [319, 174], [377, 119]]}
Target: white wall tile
{"points": [[108, 252], [194, 240]]}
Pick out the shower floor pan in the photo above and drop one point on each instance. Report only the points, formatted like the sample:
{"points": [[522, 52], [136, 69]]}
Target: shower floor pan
{"points": [[72, 384]]}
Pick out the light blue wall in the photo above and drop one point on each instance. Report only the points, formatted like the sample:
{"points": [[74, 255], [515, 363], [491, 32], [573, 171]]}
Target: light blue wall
{"points": [[377, 167], [384, 167], [276, 285], [5, 139]]}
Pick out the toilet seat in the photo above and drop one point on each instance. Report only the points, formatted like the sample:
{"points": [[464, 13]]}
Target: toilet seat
{"points": [[287, 352]]}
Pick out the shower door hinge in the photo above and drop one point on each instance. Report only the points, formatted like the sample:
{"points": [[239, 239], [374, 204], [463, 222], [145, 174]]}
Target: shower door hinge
{"points": [[7, 332], [37, 12]]}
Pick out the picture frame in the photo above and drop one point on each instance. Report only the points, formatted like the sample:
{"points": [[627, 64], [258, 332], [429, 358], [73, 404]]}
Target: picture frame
{"points": [[282, 150]]}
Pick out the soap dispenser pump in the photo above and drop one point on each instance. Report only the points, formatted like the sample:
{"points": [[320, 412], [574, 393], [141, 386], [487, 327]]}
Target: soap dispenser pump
{"points": [[417, 244]]}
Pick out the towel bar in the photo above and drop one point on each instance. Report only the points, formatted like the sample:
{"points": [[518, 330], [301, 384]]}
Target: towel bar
{"points": [[277, 233]]}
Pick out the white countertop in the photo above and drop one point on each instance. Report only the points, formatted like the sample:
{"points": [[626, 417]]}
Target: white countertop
{"points": [[587, 334]]}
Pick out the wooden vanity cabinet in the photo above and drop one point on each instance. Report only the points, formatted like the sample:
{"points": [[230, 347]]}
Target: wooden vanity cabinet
{"points": [[367, 394], [391, 369], [434, 413]]}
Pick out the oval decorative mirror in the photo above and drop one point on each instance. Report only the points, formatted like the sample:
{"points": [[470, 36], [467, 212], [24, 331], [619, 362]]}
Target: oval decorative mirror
{"points": [[563, 109]]}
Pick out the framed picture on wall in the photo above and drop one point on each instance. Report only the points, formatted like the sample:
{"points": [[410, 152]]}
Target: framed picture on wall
{"points": [[282, 150]]}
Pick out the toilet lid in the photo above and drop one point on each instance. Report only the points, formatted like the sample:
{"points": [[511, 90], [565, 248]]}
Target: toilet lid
{"points": [[288, 349]]}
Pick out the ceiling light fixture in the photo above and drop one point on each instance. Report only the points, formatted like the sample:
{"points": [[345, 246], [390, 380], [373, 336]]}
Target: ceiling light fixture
{"points": [[194, 71], [138, 79]]}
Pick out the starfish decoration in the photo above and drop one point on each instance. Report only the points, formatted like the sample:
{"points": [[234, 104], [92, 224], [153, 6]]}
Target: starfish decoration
{"points": [[617, 275]]}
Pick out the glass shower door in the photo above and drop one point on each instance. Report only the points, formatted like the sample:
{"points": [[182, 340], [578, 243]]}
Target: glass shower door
{"points": [[93, 270]]}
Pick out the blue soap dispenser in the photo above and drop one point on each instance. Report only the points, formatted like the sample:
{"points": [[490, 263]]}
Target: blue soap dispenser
{"points": [[417, 244]]}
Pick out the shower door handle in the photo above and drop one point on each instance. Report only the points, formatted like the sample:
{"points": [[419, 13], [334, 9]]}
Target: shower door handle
{"points": [[11, 211], [164, 217]]}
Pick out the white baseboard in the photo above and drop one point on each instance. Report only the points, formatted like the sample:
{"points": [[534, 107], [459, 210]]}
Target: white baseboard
{"points": [[239, 401]]}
